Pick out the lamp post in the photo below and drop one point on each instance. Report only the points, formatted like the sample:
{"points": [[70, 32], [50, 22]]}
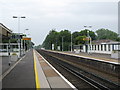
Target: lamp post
{"points": [[19, 21], [24, 40], [71, 41], [62, 42], [89, 39], [29, 42], [19, 40], [25, 30]]}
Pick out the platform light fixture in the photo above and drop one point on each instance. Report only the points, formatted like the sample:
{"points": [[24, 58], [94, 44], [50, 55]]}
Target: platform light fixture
{"points": [[88, 35], [19, 40]]}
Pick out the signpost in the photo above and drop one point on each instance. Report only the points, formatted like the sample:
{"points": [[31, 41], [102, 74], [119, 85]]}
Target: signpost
{"points": [[86, 39], [26, 38], [19, 37], [9, 53]]}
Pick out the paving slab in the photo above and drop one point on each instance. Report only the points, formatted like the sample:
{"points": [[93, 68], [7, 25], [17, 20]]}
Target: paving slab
{"points": [[57, 82], [22, 76], [42, 80], [53, 77]]}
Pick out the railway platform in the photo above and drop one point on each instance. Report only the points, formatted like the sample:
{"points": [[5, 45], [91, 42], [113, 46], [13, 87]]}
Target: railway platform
{"points": [[33, 71], [107, 71], [94, 56], [104, 57]]}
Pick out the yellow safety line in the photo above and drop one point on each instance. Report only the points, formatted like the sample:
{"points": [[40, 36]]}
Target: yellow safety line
{"points": [[36, 74]]}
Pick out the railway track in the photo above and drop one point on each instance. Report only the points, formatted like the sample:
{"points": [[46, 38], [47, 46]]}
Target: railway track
{"points": [[87, 79]]}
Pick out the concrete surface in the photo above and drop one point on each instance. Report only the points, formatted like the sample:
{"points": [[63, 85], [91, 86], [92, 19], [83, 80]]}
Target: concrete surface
{"points": [[4, 61], [22, 76], [53, 78]]}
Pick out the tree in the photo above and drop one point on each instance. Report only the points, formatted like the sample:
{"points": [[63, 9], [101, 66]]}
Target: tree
{"points": [[106, 34], [51, 39], [118, 39], [91, 33], [74, 35], [78, 36], [38, 47], [80, 40], [66, 39], [55, 38]]}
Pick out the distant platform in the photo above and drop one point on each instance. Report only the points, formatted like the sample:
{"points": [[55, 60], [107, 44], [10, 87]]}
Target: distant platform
{"points": [[98, 56], [107, 65], [94, 56]]}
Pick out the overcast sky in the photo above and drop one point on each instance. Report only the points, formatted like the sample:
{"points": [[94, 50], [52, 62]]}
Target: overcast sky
{"points": [[44, 15]]}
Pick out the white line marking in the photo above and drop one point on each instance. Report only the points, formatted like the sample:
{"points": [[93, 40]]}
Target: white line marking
{"points": [[10, 69], [71, 85]]}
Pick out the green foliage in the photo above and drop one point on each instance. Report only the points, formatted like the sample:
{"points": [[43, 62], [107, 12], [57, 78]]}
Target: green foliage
{"points": [[51, 38], [106, 34], [74, 35], [78, 36], [79, 40], [118, 39], [55, 38], [38, 47], [91, 34]]}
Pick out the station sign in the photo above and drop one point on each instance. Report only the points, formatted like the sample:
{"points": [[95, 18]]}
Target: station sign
{"points": [[26, 38], [86, 39], [16, 37]]}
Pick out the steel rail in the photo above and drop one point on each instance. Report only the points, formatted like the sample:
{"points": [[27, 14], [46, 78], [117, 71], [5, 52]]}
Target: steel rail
{"points": [[83, 77], [72, 69]]}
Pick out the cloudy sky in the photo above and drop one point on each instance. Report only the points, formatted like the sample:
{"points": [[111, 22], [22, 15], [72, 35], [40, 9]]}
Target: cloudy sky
{"points": [[44, 15]]}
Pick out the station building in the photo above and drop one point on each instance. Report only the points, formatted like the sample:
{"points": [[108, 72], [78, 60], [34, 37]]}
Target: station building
{"points": [[99, 46], [5, 34], [19, 47]]}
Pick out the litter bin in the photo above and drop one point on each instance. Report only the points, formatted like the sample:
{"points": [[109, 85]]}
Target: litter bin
{"points": [[14, 57]]}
